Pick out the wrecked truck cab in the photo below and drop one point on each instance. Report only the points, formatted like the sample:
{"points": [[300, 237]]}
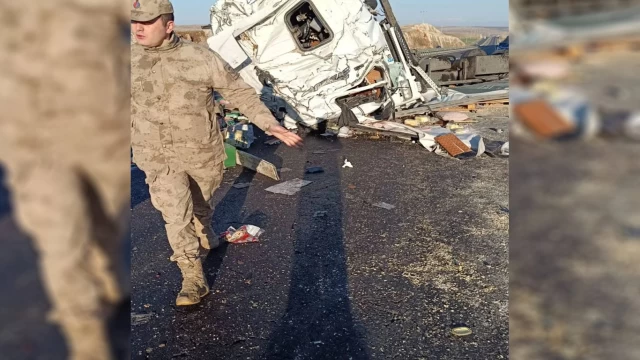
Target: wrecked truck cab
{"points": [[315, 59]]}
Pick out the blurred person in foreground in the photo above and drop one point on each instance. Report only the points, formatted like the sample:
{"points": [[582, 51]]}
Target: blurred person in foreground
{"points": [[64, 141], [175, 135]]}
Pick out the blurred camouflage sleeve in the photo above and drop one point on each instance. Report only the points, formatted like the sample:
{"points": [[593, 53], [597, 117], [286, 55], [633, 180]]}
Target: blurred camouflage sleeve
{"points": [[234, 89]]}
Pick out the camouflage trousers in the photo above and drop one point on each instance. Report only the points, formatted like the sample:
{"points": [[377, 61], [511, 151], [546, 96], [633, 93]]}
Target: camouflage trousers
{"points": [[184, 197], [76, 215]]}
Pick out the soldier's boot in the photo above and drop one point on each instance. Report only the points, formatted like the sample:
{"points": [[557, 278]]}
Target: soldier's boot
{"points": [[87, 339], [194, 283]]}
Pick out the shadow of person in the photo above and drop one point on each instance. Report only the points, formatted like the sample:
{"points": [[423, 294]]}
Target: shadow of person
{"points": [[318, 322], [5, 203]]}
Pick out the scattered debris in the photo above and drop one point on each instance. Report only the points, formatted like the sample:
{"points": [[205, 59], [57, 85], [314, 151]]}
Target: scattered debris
{"points": [[140, 319], [504, 150], [452, 116], [314, 170], [162, 345], [555, 69], [347, 164], [461, 331], [232, 156], [240, 135], [290, 187], [320, 214], [452, 144], [412, 122], [632, 126], [453, 126], [244, 234], [345, 132], [149, 350], [273, 142], [384, 206], [496, 148], [257, 164], [241, 185], [317, 342], [542, 119]]}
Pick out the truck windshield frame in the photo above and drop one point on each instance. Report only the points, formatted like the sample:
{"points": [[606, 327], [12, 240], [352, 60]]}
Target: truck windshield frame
{"points": [[296, 29]]}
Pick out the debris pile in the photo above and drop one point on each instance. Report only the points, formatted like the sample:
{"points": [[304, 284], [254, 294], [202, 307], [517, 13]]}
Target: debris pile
{"points": [[552, 106], [567, 79]]}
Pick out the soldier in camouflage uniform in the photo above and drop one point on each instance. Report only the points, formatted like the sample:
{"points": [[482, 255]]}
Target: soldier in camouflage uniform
{"points": [[175, 135], [64, 75]]}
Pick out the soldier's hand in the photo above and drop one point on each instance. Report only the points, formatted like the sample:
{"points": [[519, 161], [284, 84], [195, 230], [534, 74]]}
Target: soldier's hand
{"points": [[286, 136]]}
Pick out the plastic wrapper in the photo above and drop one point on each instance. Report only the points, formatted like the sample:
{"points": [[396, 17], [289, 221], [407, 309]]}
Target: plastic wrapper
{"points": [[244, 234]]}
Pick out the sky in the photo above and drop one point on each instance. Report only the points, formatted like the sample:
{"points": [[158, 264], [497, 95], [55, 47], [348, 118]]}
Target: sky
{"points": [[434, 12]]}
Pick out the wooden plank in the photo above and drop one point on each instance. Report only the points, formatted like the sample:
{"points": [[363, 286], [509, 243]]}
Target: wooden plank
{"points": [[257, 164], [456, 109], [503, 102]]}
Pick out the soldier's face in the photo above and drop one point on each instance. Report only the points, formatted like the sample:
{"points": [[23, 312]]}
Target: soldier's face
{"points": [[151, 33]]}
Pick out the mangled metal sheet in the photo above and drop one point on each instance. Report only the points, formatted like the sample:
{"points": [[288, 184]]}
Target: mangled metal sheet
{"points": [[265, 40]]}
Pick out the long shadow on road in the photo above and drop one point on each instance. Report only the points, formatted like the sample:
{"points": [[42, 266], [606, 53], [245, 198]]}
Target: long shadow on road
{"points": [[318, 323]]}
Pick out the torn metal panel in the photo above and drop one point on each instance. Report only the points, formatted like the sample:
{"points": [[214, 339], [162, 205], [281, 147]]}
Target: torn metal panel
{"points": [[310, 52]]}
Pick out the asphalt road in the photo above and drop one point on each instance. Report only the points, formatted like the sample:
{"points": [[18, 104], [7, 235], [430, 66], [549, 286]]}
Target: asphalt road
{"points": [[360, 282]]}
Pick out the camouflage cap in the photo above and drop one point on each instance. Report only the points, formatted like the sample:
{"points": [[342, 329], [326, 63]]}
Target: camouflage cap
{"points": [[145, 10]]}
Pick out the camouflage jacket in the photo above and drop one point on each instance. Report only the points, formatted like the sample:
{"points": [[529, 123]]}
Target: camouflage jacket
{"points": [[64, 90], [173, 117]]}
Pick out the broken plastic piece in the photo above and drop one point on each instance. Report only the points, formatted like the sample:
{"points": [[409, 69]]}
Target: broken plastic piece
{"points": [[314, 170], [244, 234], [504, 150], [384, 205], [290, 187], [347, 164], [139, 319]]}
